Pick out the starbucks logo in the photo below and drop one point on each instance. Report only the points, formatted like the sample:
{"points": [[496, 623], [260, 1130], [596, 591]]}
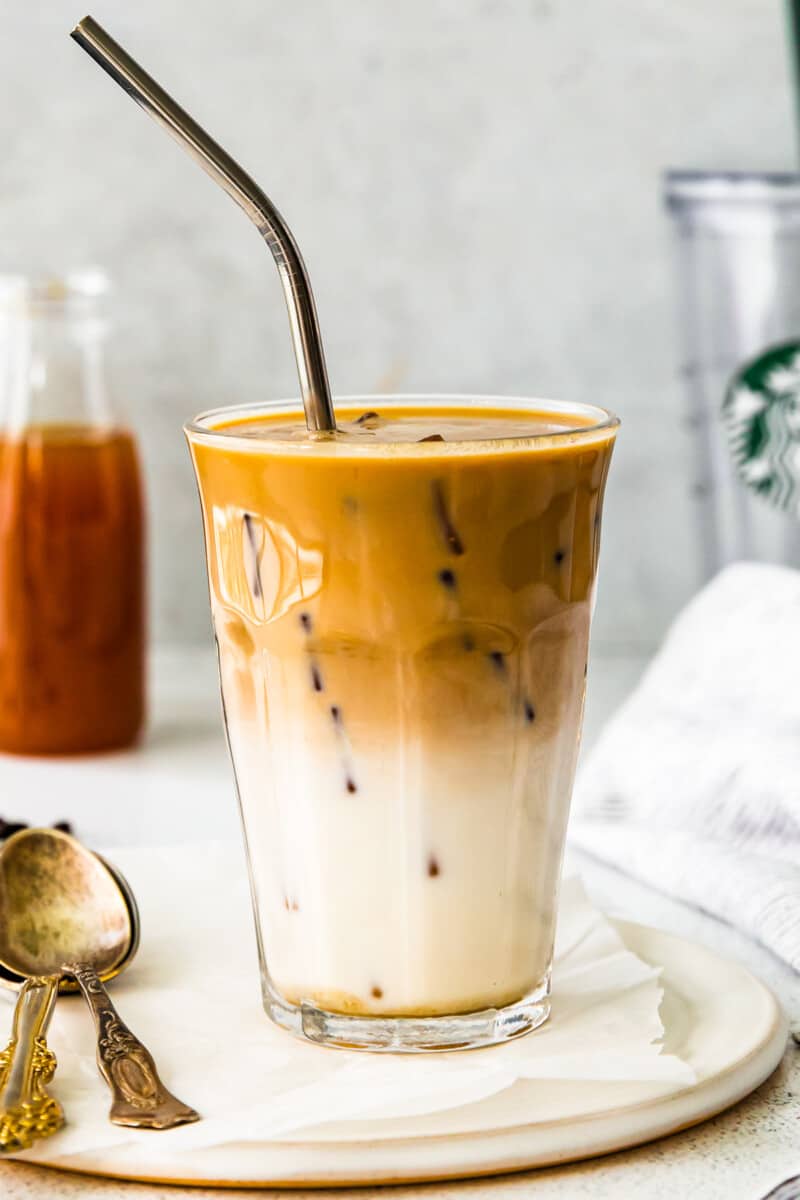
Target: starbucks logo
{"points": [[761, 412]]}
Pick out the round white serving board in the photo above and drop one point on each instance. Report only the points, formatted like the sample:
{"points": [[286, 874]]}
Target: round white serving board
{"points": [[717, 1017]]}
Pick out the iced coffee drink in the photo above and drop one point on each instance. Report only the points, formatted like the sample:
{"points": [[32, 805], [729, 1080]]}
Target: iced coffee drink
{"points": [[402, 612]]}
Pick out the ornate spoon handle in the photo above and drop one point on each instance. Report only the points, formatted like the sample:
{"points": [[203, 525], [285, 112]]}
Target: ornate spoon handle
{"points": [[27, 1112], [139, 1097]]}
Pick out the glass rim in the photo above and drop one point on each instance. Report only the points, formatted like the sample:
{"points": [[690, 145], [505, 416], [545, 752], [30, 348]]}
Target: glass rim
{"points": [[54, 291], [681, 186], [201, 427]]}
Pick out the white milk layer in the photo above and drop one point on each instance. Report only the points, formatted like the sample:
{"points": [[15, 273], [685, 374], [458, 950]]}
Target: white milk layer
{"points": [[397, 873]]}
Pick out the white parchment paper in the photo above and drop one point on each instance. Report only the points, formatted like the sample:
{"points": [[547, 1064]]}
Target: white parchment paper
{"points": [[192, 995]]}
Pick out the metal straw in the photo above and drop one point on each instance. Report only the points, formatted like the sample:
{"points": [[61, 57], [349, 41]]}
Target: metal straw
{"points": [[247, 194]]}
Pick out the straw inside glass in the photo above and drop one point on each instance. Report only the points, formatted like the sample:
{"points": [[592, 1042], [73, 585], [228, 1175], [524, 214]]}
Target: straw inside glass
{"points": [[306, 337]]}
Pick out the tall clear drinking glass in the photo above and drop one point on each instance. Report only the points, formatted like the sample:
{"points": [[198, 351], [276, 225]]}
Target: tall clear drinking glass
{"points": [[738, 246], [402, 613]]}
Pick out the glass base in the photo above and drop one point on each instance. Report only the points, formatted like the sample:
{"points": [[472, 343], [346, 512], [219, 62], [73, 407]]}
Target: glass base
{"points": [[410, 1035]]}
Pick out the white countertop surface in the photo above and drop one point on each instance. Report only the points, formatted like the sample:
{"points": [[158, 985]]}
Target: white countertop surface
{"points": [[119, 799]]}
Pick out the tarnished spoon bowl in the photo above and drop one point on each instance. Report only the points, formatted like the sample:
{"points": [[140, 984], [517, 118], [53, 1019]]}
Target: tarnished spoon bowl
{"points": [[9, 979], [59, 903]]}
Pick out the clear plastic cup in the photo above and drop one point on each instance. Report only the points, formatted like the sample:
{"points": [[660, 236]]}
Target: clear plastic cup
{"points": [[738, 248], [403, 630]]}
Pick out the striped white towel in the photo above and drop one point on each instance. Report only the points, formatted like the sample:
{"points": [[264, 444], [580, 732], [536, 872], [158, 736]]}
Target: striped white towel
{"points": [[694, 785]]}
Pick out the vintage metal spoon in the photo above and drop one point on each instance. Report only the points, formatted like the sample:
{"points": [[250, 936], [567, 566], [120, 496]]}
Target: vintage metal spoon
{"points": [[62, 912], [27, 1111], [18, 1129]]}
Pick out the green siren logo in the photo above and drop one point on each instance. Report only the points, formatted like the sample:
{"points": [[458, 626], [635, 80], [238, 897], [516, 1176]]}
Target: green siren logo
{"points": [[761, 412]]}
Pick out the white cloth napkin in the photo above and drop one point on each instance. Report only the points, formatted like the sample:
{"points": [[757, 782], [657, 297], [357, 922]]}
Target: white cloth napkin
{"points": [[193, 996], [694, 785]]}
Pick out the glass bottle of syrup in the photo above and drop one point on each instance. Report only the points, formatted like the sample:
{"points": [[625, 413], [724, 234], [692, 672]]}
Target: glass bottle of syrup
{"points": [[72, 620]]}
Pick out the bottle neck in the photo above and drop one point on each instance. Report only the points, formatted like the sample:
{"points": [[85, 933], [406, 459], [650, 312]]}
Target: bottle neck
{"points": [[52, 374], [52, 364]]}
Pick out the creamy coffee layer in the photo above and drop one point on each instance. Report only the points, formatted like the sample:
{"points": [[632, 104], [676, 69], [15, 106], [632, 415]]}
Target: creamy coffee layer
{"points": [[402, 613]]}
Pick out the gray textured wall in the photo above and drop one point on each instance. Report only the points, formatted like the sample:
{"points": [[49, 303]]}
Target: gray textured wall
{"points": [[475, 187]]}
